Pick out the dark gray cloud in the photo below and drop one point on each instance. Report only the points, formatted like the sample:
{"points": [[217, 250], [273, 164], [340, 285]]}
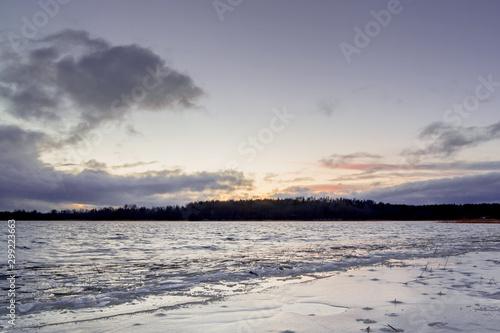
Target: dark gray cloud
{"points": [[73, 78], [460, 190], [27, 183], [337, 160], [442, 139], [101, 188], [69, 84]]}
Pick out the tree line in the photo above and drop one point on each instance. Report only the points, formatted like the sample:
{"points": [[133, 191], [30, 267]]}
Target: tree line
{"points": [[300, 209]]}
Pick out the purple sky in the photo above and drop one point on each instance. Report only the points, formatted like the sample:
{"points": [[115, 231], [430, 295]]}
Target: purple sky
{"points": [[106, 103]]}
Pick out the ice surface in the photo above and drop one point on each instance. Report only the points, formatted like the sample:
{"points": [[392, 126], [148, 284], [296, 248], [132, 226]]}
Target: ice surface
{"points": [[73, 270], [337, 304]]}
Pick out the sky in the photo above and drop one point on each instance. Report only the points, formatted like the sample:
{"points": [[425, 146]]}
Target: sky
{"points": [[155, 103]]}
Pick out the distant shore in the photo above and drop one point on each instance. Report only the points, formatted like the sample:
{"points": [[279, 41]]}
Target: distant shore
{"points": [[472, 221], [296, 209], [236, 220]]}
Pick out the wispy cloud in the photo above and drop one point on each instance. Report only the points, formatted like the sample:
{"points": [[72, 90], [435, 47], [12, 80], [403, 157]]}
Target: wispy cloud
{"points": [[97, 165], [316, 190], [394, 177], [417, 170], [277, 178], [463, 165], [133, 165], [347, 161], [443, 139], [328, 106]]}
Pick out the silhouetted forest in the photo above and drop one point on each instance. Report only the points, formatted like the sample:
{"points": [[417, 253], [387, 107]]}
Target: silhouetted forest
{"points": [[301, 209]]}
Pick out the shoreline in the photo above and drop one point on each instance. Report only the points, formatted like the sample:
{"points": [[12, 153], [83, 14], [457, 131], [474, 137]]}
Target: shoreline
{"points": [[472, 220], [417, 295], [485, 221]]}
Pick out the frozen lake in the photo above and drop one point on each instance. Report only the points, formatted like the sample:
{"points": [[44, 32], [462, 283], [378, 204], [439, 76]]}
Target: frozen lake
{"points": [[77, 270]]}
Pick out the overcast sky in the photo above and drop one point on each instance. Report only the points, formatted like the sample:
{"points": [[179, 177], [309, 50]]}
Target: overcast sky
{"points": [[106, 103]]}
